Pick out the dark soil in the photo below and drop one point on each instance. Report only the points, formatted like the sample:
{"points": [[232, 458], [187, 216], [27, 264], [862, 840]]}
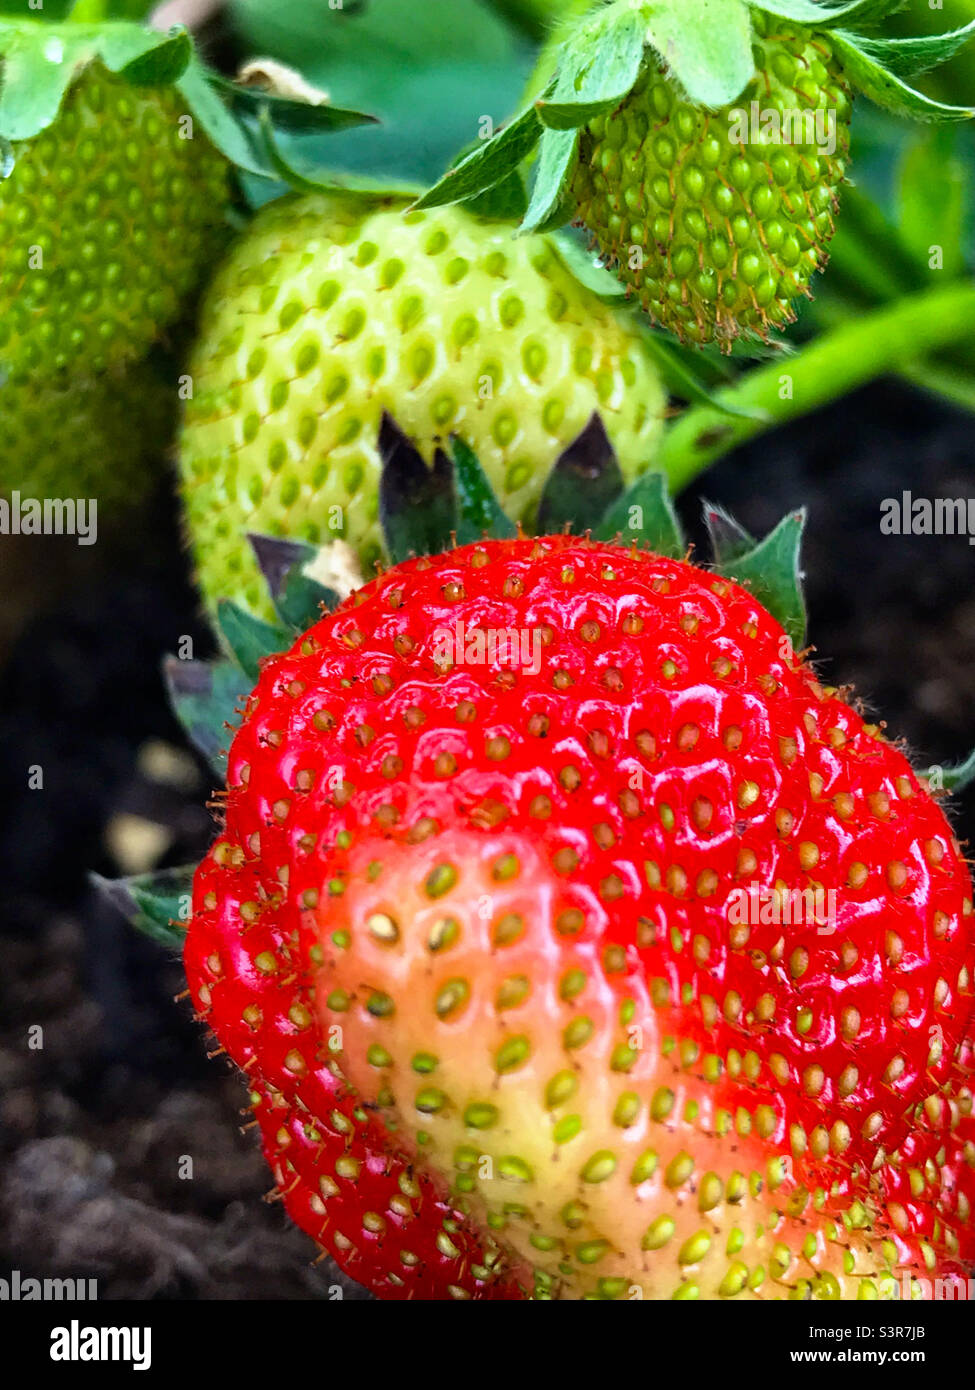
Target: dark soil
{"points": [[94, 1124]]}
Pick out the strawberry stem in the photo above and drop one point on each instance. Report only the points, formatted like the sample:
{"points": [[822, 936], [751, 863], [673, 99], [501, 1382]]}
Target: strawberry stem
{"points": [[890, 339]]}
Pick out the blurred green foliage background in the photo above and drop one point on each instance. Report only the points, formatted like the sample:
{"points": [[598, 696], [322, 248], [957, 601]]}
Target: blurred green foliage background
{"points": [[430, 71]]}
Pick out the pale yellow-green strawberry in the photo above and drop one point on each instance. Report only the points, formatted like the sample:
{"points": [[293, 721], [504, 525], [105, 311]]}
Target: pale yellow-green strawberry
{"points": [[333, 310]]}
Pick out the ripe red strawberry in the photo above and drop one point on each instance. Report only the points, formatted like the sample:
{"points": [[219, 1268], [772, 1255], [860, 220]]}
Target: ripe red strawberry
{"points": [[387, 1224], [474, 932]]}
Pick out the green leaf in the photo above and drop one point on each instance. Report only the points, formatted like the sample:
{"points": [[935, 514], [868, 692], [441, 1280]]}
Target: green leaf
{"points": [[416, 503], [224, 130], [707, 47], [39, 67], [681, 379], [297, 598], [494, 162], [886, 88], [321, 180], [478, 510], [507, 201], [556, 164], [142, 56], [283, 169], [824, 14], [645, 514], [908, 57], [932, 201], [289, 113], [598, 67], [36, 76], [584, 483], [205, 696], [587, 266], [249, 639], [161, 65], [301, 602], [953, 778], [156, 904], [771, 572]]}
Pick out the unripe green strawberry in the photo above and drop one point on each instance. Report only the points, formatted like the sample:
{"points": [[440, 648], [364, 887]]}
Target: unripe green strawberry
{"points": [[108, 218], [331, 311], [118, 156], [703, 145], [90, 439], [714, 236]]}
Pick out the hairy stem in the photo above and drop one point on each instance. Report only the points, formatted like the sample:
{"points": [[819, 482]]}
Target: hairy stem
{"points": [[889, 339]]}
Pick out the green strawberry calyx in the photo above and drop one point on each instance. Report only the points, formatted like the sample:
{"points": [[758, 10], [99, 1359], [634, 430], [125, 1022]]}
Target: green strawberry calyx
{"points": [[41, 57], [708, 51]]}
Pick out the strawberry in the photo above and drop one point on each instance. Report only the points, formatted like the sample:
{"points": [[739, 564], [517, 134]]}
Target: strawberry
{"points": [[392, 1225], [703, 146], [112, 208], [332, 310], [716, 235], [512, 947], [118, 150], [64, 438]]}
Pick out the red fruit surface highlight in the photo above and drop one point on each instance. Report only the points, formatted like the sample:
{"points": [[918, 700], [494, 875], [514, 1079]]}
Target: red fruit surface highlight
{"points": [[515, 956]]}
